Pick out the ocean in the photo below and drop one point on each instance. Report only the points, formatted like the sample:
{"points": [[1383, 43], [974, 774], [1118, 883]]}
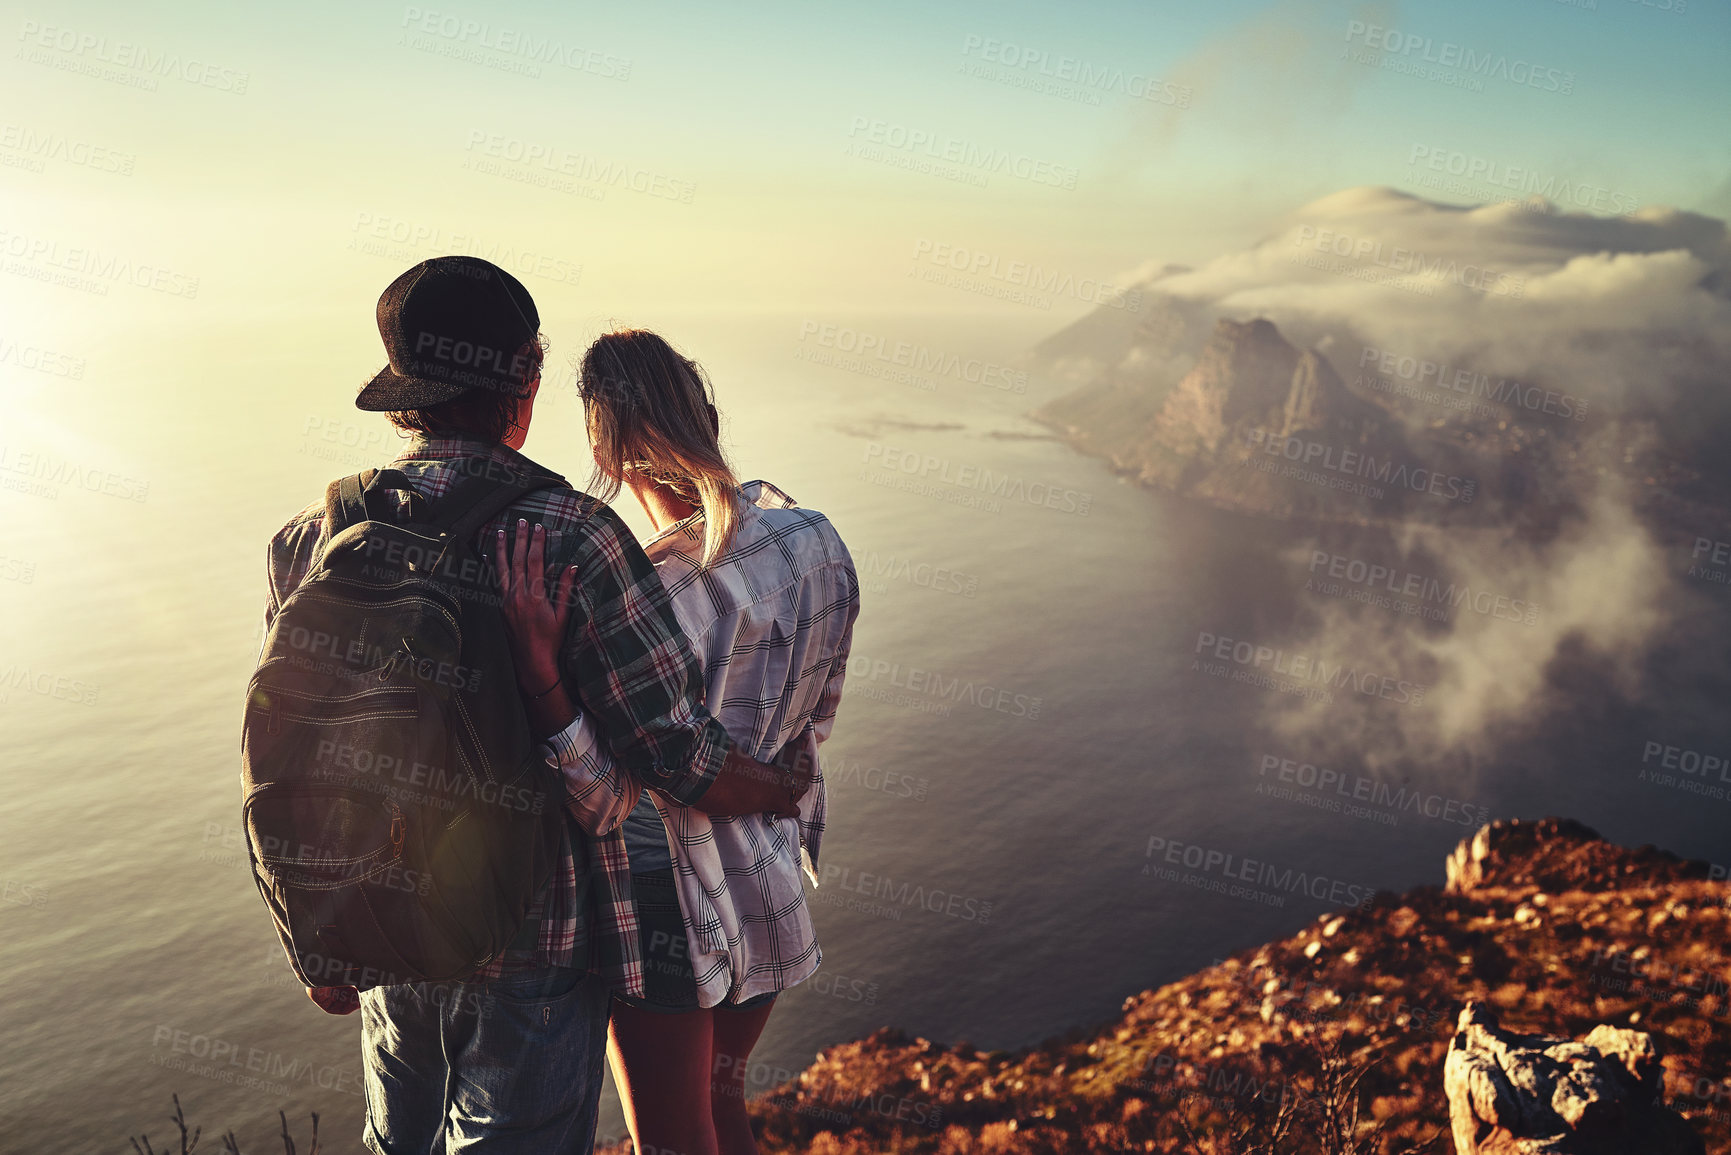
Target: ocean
{"points": [[1063, 771]]}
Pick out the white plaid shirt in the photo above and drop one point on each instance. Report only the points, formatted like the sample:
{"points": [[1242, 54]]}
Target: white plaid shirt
{"points": [[771, 621]]}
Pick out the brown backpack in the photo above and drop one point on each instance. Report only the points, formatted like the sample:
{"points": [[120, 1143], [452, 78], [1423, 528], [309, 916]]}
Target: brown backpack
{"points": [[398, 818]]}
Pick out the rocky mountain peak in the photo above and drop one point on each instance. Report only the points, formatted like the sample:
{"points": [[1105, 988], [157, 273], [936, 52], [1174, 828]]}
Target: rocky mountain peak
{"points": [[1557, 854], [1244, 372]]}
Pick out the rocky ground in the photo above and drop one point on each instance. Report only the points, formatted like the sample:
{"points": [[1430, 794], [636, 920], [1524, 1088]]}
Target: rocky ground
{"points": [[1276, 1048]]}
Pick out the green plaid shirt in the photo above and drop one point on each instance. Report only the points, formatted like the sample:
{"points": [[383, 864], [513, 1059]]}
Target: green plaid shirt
{"points": [[632, 669]]}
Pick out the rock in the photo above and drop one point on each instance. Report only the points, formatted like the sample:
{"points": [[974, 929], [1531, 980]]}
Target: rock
{"points": [[1556, 855], [1485, 858], [1513, 1094]]}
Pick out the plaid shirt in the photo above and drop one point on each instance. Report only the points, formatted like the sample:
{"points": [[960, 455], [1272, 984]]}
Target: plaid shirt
{"points": [[632, 669], [772, 621]]}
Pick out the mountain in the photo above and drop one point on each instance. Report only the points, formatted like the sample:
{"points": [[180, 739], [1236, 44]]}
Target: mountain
{"points": [[1545, 924], [1257, 425], [1142, 336], [1545, 357]]}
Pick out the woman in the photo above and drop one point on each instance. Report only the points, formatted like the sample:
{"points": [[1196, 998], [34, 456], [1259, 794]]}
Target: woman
{"points": [[767, 595]]}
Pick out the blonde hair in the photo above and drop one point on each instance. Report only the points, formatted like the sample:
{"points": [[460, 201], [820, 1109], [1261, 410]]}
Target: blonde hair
{"points": [[650, 411]]}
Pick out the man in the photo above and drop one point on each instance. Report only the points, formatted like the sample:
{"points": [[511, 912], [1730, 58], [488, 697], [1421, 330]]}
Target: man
{"points": [[511, 1060]]}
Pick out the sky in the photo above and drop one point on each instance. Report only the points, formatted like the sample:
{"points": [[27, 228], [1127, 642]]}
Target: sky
{"points": [[286, 153]]}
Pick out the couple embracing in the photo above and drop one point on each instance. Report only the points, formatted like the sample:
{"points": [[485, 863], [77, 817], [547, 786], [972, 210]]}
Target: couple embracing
{"points": [[673, 696]]}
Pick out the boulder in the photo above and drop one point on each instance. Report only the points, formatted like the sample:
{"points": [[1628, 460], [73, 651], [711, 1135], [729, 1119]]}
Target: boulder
{"points": [[1514, 1094], [1556, 855]]}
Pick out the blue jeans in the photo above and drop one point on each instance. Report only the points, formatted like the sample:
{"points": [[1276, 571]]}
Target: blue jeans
{"points": [[500, 1067]]}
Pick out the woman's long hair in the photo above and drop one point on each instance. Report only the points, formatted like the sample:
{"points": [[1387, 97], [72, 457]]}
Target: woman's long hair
{"points": [[650, 411]]}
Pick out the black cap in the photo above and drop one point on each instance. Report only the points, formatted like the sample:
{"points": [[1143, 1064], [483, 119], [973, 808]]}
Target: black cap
{"points": [[451, 324]]}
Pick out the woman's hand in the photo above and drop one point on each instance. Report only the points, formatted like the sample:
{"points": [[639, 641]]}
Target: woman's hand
{"points": [[535, 614]]}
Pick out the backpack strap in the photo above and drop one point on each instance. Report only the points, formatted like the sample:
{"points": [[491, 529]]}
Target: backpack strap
{"points": [[478, 498], [354, 499], [345, 502]]}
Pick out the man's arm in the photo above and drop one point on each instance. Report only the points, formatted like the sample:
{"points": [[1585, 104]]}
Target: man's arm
{"points": [[287, 556], [747, 786], [600, 796], [272, 601], [644, 685], [279, 567]]}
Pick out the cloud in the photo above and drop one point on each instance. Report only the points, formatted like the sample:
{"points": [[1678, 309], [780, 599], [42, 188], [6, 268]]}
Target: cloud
{"points": [[1627, 311], [1260, 80], [1599, 592], [1632, 313]]}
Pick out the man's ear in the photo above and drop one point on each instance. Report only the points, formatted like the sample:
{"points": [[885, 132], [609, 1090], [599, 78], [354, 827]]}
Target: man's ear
{"points": [[714, 420], [526, 408]]}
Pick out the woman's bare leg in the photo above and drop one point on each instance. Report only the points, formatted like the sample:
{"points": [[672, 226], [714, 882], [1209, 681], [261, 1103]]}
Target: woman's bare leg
{"points": [[661, 1067], [735, 1033]]}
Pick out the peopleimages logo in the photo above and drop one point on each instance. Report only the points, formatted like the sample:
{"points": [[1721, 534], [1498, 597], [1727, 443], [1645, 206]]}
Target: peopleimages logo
{"points": [[838, 1106], [1652, 976], [927, 470], [1357, 788], [1231, 867], [1518, 179], [891, 782], [40, 360], [968, 155], [579, 166], [47, 472], [933, 686], [88, 269], [1354, 463], [327, 653], [912, 356], [16, 893], [1037, 64], [1424, 374], [1303, 668], [876, 571], [527, 47], [1717, 554], [1403, 261], [17, 569], [91, 50], [906, 894], [228, 1058], [484, 363], [1681, 768], [1024, 275], [40, 147], [1413, 48], [1293, 996], [386, 236], [422, 782], [1375, 579], [840, 986]]}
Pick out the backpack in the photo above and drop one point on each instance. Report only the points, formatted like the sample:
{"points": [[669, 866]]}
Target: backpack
{"points": [[398, 819]]}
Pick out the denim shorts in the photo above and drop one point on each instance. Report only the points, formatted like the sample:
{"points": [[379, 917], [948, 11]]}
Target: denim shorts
{"points": [[669, 983]]}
